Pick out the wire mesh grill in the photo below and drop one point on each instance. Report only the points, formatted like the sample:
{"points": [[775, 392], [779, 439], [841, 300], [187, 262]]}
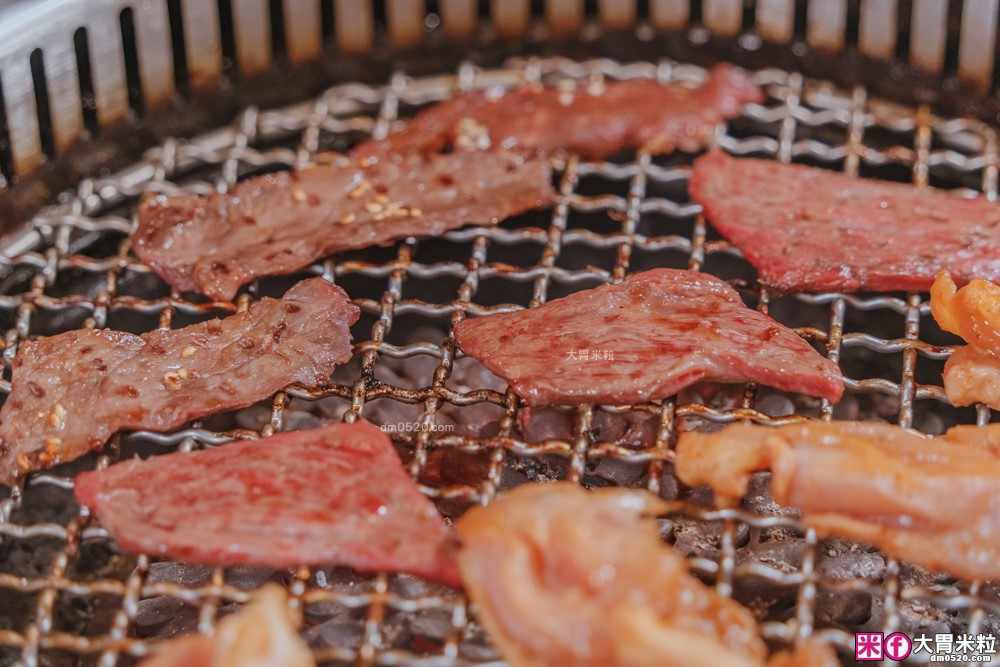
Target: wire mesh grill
{"points": [[68, 597]]}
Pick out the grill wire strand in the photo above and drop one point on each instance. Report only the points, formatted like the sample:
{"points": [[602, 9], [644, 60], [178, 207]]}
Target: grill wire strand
{"points": [[57, 247]]}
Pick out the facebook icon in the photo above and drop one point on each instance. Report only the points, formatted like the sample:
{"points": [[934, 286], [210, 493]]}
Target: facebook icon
{"points": [[897, 646]]}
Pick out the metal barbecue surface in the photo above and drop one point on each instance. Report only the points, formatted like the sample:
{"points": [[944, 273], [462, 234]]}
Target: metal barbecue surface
{"points": [[67, 596]]}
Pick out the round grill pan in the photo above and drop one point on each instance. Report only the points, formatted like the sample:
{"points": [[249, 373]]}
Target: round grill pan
{"points": [[68, 597]]}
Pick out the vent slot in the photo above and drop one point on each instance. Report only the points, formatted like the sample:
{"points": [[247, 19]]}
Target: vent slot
{"points": [[904, 18], [85, 77], [642, 11], [749, 24], [694, 17], [279, 46], [43, 111], [800, 22], [853, 28], [182, 76], [379, 16], [326, 20], [130, 50], [954, 34], [6, 151], [227, 37]]}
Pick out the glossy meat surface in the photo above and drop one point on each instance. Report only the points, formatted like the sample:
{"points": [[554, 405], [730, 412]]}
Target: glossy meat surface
{"points": [[337, 495], [593, 121], [972, 373], [564, 576], [813, 230], [929, 501], [645, 338], [281, 222], [72, 391]]}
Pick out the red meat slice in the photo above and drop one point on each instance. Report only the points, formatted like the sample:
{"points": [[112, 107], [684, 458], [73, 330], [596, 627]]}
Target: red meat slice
{"points": [[814, 230], [594, 123], [278, 223], [337, 495], [72, 391], [643, 339]]}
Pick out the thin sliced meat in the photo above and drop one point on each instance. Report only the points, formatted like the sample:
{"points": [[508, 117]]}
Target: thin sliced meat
{"points": [[972, 372], [72, 391], [813, 230], [929, 501], [261, 634], [564, 576], [278, 223], [337, 495], [593, 121], [643, 339]]}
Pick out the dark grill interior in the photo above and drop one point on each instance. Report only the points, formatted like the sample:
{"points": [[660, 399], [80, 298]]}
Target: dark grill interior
{"points": [[68, 597]]}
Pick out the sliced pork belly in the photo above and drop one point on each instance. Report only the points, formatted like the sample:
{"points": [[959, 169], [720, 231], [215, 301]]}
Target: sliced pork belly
{"points": [[592, 121], [72, 391], [563, 576], [813, 230], [972, 373], [643, 339], [261, 634], [332, 496], [929, 501], [278, 223]]}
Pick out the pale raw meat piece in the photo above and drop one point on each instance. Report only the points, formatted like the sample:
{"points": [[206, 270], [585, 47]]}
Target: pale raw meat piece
{"points": [[564, 576], [261, 634], [929, 501], [972, 373]]}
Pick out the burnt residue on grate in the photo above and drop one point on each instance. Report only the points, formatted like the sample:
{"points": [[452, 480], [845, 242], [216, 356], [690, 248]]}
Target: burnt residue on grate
{"points": [[68, 596]]}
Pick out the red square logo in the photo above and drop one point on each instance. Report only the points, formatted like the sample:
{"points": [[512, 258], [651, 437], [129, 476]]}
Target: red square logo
{"points": [[868, 646]]}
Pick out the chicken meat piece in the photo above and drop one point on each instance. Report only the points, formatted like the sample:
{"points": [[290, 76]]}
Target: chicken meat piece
{"points": [[972, 376], [972, 373], [972, 312], [262, 634], [929, 501], [564, 576]]}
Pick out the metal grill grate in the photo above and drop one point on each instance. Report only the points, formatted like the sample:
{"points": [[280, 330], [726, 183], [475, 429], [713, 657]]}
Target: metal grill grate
{"points": [[66, 596]]}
